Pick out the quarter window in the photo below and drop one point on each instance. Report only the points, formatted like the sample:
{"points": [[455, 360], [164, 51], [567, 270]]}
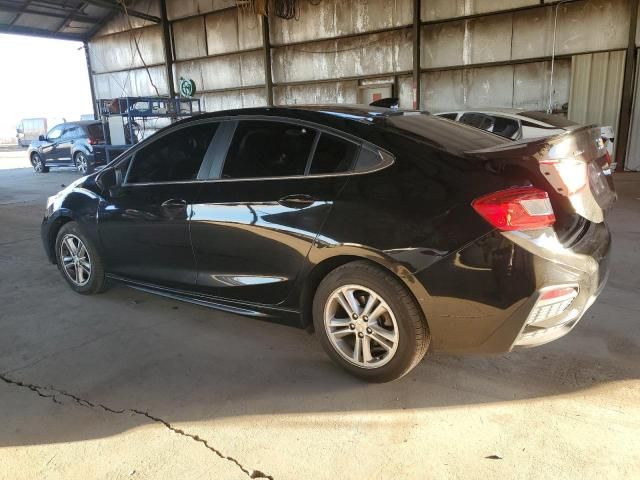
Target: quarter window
{"points": [[268, 149], [332, 155], [174, 157]]}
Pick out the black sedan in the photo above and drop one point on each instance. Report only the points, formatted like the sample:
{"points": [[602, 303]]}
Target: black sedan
{"points": [[386, 232], [69, 144]]}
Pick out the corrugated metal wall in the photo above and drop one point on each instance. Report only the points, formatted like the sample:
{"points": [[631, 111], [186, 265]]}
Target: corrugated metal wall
{"points": [[474, 53], [633, 149], [596, 88]]}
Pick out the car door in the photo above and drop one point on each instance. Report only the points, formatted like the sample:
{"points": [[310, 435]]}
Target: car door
{"points": [[63, 148], [254, 223], [49, 149], [144, 223]]}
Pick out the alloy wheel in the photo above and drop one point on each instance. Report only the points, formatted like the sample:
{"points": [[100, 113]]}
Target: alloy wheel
{"points": [[361, 326], [36, 162], [76, 262], [81, 163]]}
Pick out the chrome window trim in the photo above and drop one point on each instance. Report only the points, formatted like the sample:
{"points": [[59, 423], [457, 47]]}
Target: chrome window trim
{"points": [[386, 161], [386, 158]]}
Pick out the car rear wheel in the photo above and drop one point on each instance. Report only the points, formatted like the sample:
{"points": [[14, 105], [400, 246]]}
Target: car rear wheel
{"points": [[78, 260], [369, 323], [38, 164]]}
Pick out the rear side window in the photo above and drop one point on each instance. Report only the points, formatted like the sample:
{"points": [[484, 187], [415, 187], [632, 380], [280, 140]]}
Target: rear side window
{"points": [[448, 116], [95, 131], [332, 155], [478, 120], [505, 127], [268, 149], [173, 157]]}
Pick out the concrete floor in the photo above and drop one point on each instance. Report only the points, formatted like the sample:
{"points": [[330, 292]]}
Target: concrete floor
{"points": [[128, 385]]}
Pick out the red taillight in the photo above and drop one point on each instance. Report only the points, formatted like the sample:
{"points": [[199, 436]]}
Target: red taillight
{"points": [[559, 292], [521, 208], [95, 141]]}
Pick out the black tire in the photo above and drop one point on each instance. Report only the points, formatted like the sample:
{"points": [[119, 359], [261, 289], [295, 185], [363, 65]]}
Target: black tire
{"points": [[38, 163], [413, 334], [96, 281]]}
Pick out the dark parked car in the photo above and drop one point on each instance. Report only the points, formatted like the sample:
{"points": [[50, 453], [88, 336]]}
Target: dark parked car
{"points": [[68, 144], [386, 232]]}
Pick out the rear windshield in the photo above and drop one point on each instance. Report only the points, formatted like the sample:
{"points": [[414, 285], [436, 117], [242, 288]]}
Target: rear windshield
{"points": [[455, 137], [95, 131], [555, 120]]}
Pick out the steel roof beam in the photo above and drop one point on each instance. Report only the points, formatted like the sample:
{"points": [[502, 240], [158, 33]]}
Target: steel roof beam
{"points": [[9, 7], [38, 32], [117, 6]]}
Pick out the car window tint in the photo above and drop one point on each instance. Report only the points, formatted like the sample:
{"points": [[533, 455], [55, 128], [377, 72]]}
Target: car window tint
{"points": [[95, 131], [449, 116], [333, 155], [505, 127], [268, 149], [73, 132], [477, 120], [54, 133], [173, 157]]}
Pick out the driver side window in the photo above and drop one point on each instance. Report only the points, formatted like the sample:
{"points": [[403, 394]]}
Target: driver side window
{"points": [[54, 133], [176, 156]]}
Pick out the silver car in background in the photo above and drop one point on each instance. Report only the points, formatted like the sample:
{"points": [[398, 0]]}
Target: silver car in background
{"points": [[517, 124]]}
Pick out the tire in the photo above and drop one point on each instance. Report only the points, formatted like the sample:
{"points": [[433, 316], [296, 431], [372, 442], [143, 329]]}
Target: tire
{"points": [[402, 325], [81, 282], [82, 163], [38, 163]]}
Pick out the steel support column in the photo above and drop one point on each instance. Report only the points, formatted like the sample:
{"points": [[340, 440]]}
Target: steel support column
{"points": [[624, 122], [416, 53], [168, 50], [94, 102], [266, 46]]}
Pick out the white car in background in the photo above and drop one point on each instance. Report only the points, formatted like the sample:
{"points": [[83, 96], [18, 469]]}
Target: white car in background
{"points": [[522, 124]]}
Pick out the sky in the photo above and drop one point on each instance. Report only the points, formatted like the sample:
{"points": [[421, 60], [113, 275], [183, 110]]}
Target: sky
{"points": [[41, 78]]}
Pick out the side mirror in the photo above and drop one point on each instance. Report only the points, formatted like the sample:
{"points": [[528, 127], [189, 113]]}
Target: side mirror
{"points": [[42, 138]]}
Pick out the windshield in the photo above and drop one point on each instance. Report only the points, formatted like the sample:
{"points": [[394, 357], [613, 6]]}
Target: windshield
{"points": [[554, 120]]}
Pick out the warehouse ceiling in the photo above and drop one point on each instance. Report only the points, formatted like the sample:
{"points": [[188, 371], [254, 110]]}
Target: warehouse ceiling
{"points": [[63, 19]]}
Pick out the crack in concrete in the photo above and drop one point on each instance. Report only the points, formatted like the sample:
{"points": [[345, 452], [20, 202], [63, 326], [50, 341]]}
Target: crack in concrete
{"points": [[52, 394]]}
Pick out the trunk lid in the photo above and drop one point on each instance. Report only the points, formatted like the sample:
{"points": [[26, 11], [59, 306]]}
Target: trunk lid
{"points": [[573, 167]]}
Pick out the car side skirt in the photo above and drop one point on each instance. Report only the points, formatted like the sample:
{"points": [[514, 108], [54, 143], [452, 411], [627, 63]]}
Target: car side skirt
{"points": [[269, 313]]}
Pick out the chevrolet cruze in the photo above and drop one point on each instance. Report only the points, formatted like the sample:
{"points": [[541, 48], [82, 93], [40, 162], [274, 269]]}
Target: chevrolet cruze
{"points": [[388, 233]]}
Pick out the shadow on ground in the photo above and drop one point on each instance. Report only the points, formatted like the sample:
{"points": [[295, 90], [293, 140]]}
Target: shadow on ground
{"points": [[126, 350]]}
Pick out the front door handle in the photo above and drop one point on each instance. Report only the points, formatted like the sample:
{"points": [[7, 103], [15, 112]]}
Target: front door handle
{"points": [[174, 203], [296, 201]]}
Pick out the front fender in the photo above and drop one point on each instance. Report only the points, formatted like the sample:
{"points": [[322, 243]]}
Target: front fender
{"points": [[79, 205]]}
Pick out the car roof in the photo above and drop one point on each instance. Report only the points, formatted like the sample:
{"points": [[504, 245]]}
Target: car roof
{"points": [[360, 113], [344, 117], [369, 123], [82, 123]]}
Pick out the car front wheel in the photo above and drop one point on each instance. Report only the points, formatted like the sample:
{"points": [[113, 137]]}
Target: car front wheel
{"points": [[38, 164], [78, 260], [368, 322]]}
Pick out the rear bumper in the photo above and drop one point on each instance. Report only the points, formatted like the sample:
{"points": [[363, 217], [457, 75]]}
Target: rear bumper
{"points": [[585, 264], [480, 300]]}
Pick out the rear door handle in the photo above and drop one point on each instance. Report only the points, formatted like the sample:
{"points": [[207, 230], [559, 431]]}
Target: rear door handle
{"points": [[296, 201], [174, 203]]}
